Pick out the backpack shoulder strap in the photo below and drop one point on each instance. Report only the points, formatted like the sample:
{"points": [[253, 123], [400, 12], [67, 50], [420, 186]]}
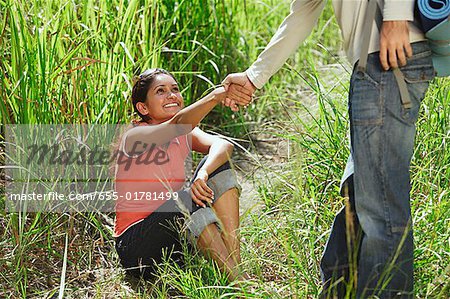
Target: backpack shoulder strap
{"points": [[367, 30], [373, 12]]}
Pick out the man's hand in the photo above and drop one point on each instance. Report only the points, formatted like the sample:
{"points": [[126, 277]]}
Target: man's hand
{"points": [[394, 42], [240, 90]]}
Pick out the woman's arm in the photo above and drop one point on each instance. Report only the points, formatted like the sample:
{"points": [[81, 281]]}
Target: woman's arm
{"points": [[138, 138], [219, 151]]}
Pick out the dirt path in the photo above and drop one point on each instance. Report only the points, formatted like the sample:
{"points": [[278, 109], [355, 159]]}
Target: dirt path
{"points": [[257, 165]]}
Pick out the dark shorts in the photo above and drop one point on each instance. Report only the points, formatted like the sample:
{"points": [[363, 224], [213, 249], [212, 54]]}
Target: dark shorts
{"points": [[145, 244]]}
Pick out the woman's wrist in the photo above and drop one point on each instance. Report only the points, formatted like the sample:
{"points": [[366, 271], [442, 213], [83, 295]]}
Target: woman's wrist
{"points": [[202, 174], [219, 94]]}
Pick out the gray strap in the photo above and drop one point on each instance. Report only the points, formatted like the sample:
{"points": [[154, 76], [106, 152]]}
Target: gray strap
{"points": [[404, 94], [379, 16], [373, 9], [367, 30]]}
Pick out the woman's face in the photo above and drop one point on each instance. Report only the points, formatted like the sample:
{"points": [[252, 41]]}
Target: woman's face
{"points": [[164, 99]]}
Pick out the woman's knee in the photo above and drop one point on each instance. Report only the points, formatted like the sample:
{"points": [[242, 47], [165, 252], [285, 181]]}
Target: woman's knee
{"points": [[224, 181], [231, 194], [200, 219]]}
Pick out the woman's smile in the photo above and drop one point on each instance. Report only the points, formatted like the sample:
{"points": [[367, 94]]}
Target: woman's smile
{"points": [[172, 105]]}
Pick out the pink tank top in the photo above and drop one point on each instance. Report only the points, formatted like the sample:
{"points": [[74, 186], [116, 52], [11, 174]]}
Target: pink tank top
{"points": [[145, 182]]}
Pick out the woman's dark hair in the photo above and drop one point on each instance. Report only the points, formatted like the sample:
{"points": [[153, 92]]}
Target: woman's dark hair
{"points": [[142, 85]]}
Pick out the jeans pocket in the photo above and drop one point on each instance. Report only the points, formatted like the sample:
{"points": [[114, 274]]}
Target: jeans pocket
{"points": [[417, 79], [418, 73], [365, 100]]}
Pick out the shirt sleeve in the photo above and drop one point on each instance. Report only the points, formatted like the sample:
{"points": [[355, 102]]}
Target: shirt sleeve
{"points": [[398, 10], [292, 31]]}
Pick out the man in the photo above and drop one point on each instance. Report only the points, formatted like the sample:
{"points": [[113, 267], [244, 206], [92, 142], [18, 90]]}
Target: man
{"points": [[382, 132]]}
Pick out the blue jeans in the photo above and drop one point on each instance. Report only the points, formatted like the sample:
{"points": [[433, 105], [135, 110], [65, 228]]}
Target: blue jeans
{"points": [[371, 246]]}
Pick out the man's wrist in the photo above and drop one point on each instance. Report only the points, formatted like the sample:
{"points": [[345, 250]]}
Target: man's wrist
{"points": [[253, 79]]}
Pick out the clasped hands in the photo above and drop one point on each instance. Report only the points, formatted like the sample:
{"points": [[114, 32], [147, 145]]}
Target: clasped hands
{"points": [[239, 91]]}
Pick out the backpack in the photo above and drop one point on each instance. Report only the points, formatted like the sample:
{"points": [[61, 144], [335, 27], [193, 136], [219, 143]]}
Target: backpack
{"points": [[434, 20]]}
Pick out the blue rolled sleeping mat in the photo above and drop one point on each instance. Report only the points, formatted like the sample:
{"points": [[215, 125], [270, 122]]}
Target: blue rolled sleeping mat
{"points": [[434, 16]]}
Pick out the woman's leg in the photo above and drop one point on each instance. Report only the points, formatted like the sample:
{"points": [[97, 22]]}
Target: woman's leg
{"points": [[227, 211], [211, 244], [223, 245]]}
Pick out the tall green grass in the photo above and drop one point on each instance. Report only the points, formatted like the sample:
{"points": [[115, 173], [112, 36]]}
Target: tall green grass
{"points": [[73, 62]]}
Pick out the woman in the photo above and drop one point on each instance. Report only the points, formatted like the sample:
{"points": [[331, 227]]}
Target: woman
{"points": [[150, 177]]}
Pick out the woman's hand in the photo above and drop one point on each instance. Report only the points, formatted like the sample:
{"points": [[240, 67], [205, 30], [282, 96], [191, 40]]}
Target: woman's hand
{"points": [[240, 89], [200, 192]]}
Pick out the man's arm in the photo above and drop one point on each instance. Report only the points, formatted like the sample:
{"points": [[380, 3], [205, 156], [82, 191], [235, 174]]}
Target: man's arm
{"points": [[292, 31], [394, 35]]}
